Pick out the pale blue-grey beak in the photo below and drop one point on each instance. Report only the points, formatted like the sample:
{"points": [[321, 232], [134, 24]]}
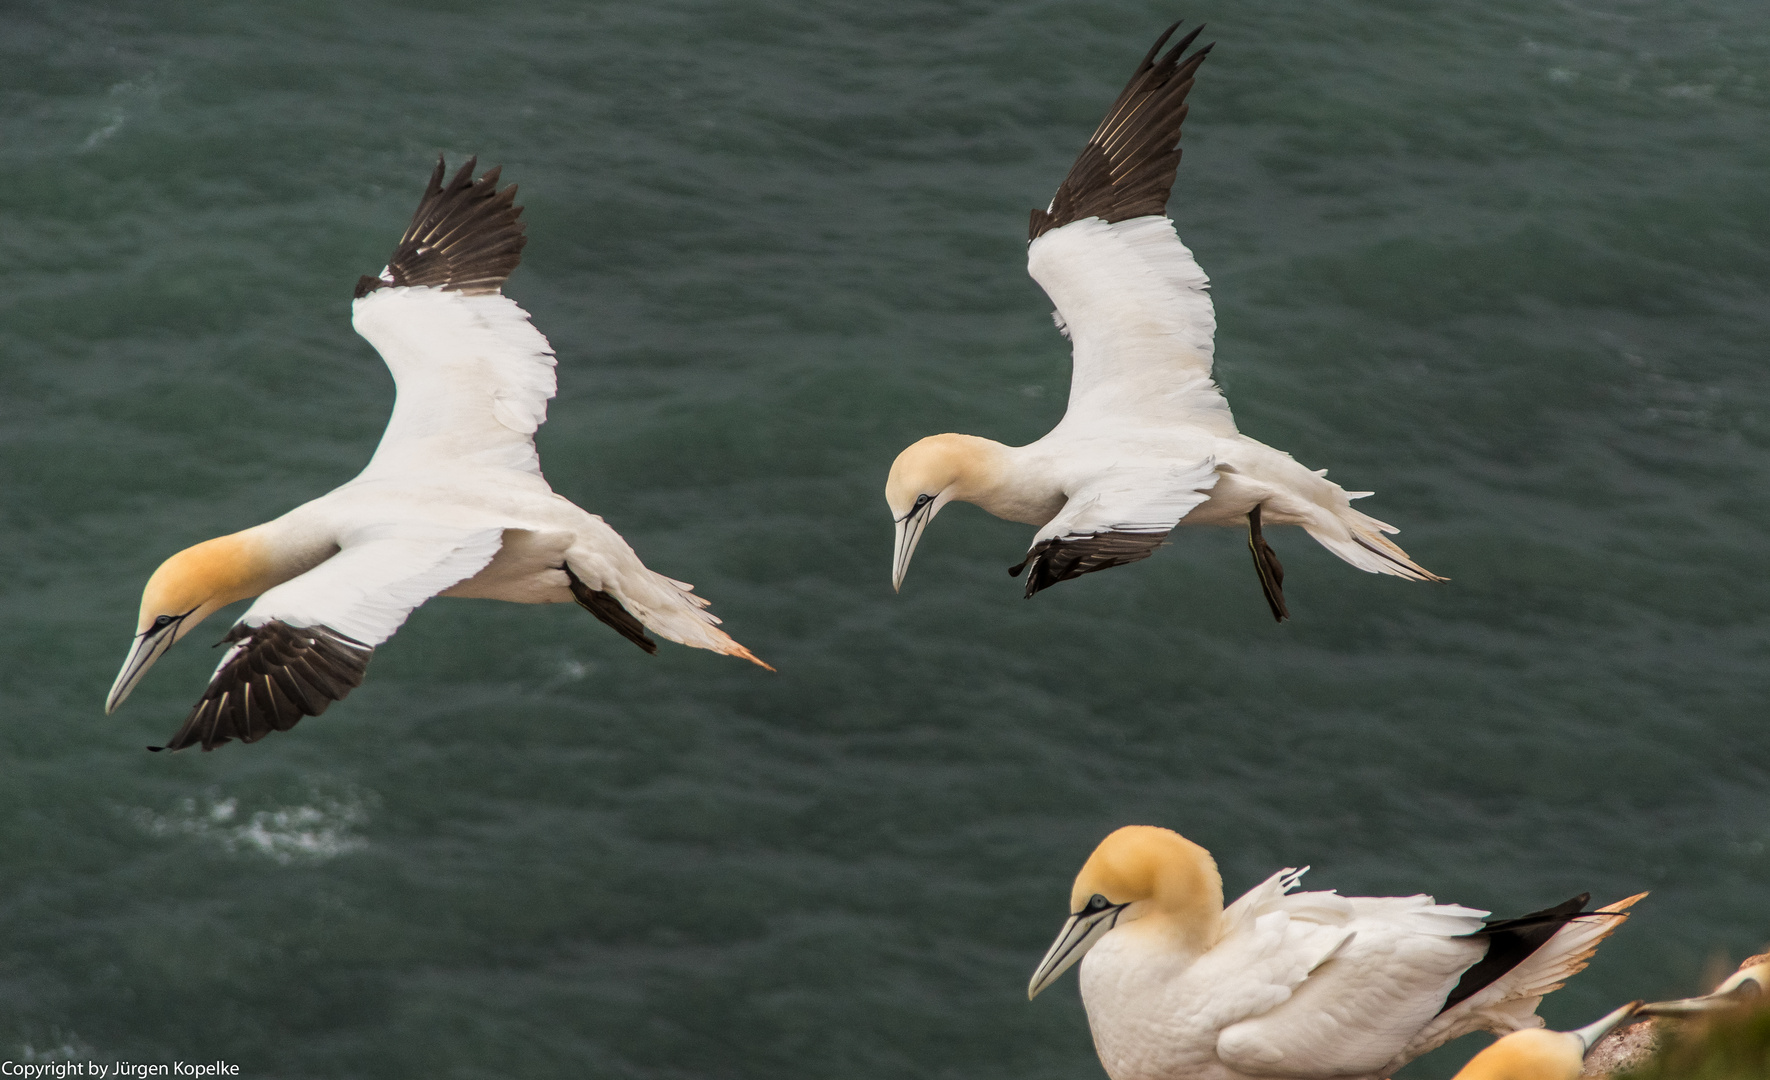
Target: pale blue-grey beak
{"points": [[1080, 933], [909, 531], [149, 646]]}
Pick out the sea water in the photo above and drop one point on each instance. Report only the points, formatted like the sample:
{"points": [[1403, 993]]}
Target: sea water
{"points": [[1504, 263]]}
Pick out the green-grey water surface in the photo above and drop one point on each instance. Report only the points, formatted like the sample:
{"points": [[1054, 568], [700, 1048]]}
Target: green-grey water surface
{"points": [[1504, 263]]}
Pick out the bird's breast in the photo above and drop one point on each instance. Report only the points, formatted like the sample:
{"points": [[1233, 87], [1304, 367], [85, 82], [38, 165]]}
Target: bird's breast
{"points": [[1149, 1013]]}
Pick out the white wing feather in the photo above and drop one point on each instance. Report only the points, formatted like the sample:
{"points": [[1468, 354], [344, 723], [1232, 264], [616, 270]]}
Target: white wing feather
{"points": [[1358, 1008], [378, 578], [473, 377], [1133, 302], [1133, 499]]}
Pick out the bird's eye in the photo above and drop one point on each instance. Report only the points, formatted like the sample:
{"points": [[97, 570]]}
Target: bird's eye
{"points": [[921, 501], [1097, 902], [162, 622]]}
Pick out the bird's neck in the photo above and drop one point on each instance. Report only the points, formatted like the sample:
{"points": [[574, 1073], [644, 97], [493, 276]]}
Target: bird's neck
{"points": [[287, 547], [1002, 480], [227, 568], [241, 565], [1186, 912], [1188, 932]]}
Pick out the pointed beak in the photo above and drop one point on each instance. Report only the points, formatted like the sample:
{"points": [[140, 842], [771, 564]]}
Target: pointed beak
{"points": [[1745, 993], [1081, 933], [148, 647], [1591, 1033], [909, 531]]}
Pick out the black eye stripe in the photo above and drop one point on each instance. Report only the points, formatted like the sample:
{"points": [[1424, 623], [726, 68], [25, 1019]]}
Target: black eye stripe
{"points": [[161, 622], [921, 501]]}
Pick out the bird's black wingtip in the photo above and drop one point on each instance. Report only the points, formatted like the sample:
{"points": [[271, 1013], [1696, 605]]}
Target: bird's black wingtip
{"points": [[466, 236]]}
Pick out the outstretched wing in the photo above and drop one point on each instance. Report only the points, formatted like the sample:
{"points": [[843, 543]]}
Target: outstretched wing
{"points": [[306, 643], [1122, 517], [473, 374], [1129, 295]]}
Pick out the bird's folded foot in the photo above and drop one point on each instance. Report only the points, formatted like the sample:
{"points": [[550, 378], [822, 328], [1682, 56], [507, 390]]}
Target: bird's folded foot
{"points": [[605, 607], [1266, 564]]}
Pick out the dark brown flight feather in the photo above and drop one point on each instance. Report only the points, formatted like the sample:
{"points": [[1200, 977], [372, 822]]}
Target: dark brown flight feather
{"points": [[1266, 564], [465, 237], [1065, 557], [280, 674], [605, 607], [1127, 168], [1510, 942]]}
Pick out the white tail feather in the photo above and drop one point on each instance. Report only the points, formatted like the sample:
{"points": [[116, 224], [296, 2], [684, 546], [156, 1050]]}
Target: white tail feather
{"points": [[1358, 539], [1509, 1003], [1560, 958]]}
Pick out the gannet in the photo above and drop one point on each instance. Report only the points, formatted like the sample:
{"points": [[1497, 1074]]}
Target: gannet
{"points": [[1744, 987], [1540, 1054], [1666, 1023], [1147, 442], [1283, 984], [1674, 1029], [451, 504]]}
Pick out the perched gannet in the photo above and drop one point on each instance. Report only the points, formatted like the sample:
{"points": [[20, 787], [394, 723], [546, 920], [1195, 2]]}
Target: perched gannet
{"points": [[1664, 1023], [452, 503], [1148, 442], [1742, 988], [1540, 1054], [1283, 984], [1669, 1027]]}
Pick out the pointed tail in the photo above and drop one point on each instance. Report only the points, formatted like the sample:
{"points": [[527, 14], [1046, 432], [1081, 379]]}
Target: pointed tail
{"points": [[1359, 539]]}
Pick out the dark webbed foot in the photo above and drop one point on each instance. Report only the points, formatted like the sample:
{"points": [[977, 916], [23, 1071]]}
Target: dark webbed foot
{"points": [[605, 607], [1266, 564]]}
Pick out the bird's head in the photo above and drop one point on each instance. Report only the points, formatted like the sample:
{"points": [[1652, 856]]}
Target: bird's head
{"points": [[1139, 873], [185, 590], [1540, 1054], [924, 478]]}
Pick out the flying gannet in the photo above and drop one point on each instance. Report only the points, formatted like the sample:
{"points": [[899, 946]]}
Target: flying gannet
{"points": [[1147, 442], [1540, 1054], [451, 504], [1298, 985]]}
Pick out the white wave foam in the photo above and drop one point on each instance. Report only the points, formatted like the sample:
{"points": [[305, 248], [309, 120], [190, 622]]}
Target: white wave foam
{"points": [[71, 1048], [318, 830]]}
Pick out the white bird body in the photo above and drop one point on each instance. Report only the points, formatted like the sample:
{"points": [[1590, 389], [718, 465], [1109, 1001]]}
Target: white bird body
{"points": [[1301, 985], [452, 502], [1148, 441], [1266, 1000], [510, 538]]}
